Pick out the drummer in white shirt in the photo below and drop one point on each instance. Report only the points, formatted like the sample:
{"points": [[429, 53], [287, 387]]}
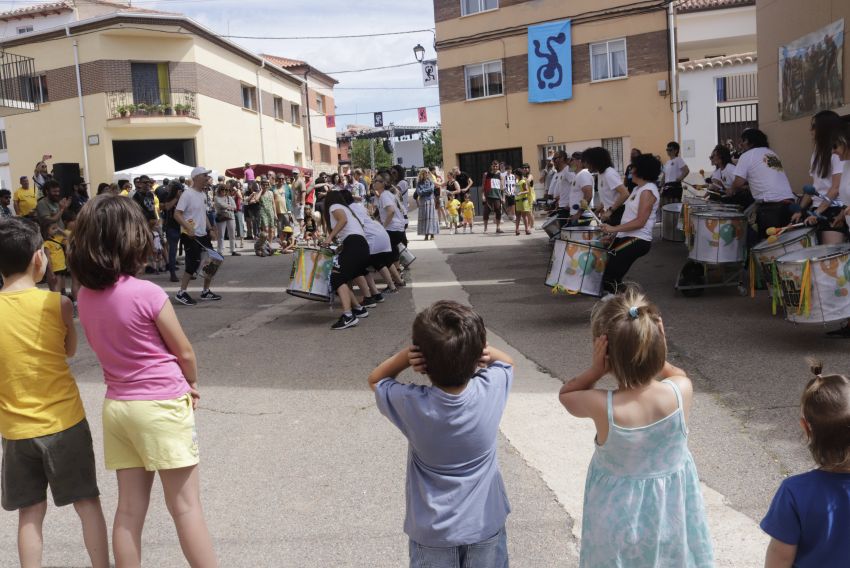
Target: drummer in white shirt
{"points": [[675, 171], [761, 168], [581, 188], [841, 148], [612, 192], [559, 188], [723, 177], [826, 175], [634, 235]]}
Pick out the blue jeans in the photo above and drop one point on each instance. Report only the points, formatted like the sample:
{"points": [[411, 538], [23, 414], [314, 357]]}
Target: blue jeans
{"points": [[489, 553]]}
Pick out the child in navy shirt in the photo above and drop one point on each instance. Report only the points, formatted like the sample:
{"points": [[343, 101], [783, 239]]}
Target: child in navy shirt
{"points": [[809, 519], [456, 502]]}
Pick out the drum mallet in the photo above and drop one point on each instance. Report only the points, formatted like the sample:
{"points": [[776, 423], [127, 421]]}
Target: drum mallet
{"points": [[812, 192], [774, 232]]}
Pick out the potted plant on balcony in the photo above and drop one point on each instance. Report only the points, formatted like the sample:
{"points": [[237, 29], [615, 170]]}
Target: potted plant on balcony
{"points": [[123, 111], [141, 109], [182, 110], [168, 109]]}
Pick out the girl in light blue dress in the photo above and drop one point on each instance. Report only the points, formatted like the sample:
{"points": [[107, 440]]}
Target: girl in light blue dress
{"points": [[643, 505]]}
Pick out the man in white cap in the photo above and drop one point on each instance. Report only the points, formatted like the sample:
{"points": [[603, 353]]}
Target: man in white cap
{"points": [[191, 214]]}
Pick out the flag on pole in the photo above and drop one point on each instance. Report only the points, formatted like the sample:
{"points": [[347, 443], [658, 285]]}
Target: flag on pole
{"points": [[423, 114], [379, 120], [330, 121]]}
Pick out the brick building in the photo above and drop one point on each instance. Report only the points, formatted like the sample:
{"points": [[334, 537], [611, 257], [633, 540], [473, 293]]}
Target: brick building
{"points": [[150, 84], [320, 136], [620, 53]]}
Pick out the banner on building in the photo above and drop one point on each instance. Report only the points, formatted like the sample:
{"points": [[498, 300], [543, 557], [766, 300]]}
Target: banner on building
{"points": [[811, 72], [379, 120], [423, 114], [429, 72], [330, 121], [550, 65]]}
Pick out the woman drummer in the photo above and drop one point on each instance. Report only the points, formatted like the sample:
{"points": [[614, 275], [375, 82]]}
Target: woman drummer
{"points": [[390, 213], [841, 145], [723, 177], [761, 168], [634, 235], [825, 170], [353, 261], [612, 192]]}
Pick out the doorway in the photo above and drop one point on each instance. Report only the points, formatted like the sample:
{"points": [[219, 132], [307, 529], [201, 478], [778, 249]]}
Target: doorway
{"points": [[476, 163], [131, 153]]}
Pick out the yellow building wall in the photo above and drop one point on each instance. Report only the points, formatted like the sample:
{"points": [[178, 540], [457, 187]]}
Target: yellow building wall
{"points": [[778, 23], [225, 135]]}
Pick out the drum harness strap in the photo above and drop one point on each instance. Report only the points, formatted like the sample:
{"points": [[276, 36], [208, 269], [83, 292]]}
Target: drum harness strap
{"points": [[805, 305]]}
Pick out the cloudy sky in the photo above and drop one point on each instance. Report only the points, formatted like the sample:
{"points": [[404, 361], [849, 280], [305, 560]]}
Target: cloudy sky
{"points": [[387, 89]]}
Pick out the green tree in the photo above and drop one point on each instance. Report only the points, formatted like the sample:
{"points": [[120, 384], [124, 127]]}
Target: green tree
{"points": [[361, 158], [432, 147]]}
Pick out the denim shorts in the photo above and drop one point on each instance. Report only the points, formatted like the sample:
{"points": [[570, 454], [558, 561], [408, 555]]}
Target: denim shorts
{"points": [[489, 553]]}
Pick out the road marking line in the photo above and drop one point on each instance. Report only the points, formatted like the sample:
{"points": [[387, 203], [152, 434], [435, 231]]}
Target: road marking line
{"points": [[560, 446]]}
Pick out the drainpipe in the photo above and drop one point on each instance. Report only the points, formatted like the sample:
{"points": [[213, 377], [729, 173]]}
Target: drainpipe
{"points": [[674, 71], [260, 108], [82, 108], [309, 121]]}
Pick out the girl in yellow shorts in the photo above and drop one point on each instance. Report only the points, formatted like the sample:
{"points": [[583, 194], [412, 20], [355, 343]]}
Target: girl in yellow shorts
{"points": [[150, 374]]}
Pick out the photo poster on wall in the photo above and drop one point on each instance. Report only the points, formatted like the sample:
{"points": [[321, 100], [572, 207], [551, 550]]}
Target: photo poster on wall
{"points": [[811, 71], [550, 65]]}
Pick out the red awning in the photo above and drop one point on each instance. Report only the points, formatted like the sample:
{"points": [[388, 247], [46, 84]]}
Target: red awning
{"points": [[263, 169]]}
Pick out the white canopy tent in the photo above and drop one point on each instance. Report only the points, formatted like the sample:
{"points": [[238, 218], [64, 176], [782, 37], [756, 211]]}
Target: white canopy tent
{"points": [[158, 168]]}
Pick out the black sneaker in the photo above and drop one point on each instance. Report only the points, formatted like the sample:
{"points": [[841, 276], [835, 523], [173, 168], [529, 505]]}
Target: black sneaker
{"points": [[185, 299], [369, 302], [389, 290], [379, 297], [345, 321], [210, 296], [235, 254], [174, 278], [361, 312]]}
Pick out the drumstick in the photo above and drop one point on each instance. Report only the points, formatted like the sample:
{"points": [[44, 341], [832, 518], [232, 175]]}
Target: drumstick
{"points": [[774, 232], [584, 205], [811, 191]]}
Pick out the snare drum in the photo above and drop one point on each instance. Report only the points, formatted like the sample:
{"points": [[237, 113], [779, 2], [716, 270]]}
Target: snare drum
{"points": [[717, 237], [552, 226], [405, 257], [310, 277], [586, 235], [815, 284], [214, 260], [577, 268], [766, 252], [671, 223]]}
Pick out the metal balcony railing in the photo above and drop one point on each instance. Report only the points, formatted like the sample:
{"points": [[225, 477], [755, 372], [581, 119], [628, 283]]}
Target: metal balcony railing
{"points": [[17, 77], [152, 102]]}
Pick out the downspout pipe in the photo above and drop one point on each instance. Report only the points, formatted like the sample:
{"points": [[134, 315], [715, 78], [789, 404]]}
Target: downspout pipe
{"points": [[260, 113], [86, 172], [309, 120], [674, 71]]}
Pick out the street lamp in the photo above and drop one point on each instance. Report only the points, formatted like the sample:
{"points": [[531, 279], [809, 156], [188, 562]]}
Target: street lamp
{"points": [[419, 52]]}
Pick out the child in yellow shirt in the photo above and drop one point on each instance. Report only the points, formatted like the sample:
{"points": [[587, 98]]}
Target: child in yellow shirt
{"points": [[54, 247], [468, 209], [453, 206], [46, 438]]}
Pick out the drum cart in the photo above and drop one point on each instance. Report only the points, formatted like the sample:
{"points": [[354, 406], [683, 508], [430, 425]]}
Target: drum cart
{"points": [[706, 266], [695, 277]]}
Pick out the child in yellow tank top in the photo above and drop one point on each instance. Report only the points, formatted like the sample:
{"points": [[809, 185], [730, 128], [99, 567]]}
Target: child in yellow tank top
{"points": [[40, 400]]}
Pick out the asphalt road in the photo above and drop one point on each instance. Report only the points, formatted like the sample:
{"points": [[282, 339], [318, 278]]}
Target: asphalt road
{"points": [[299, 469]]}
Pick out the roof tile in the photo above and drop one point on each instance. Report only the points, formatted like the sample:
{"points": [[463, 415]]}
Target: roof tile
{"points": [[685, 6]]}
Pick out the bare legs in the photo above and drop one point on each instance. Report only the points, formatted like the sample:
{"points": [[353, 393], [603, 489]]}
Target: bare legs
{"points": [[183, 500], [30, 539]]}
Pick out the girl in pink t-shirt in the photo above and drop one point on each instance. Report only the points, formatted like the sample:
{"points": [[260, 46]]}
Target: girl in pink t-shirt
{"points": [[151, 378]]}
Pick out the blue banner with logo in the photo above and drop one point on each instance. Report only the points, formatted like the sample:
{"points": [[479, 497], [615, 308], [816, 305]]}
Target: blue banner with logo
{"points": [[550, 62]]}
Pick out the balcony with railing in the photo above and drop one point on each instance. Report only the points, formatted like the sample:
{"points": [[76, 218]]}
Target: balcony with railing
{"points": [[147, 104]]}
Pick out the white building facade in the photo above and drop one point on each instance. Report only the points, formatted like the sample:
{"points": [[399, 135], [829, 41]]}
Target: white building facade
{"points": [[717, 76]]}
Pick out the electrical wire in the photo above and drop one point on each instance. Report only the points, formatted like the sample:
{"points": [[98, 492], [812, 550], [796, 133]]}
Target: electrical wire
{"points": [[383, 111]]}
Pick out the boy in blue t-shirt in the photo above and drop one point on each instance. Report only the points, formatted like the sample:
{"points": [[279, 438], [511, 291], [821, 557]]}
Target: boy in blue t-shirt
{"points": [[809, 518], [454, 492]]}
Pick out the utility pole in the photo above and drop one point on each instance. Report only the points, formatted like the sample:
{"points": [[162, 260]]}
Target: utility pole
{"points": [[372, 153]]}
